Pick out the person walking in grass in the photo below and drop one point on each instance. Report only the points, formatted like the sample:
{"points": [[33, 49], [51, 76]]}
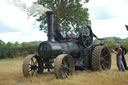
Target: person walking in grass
{"points": [[118, 53]]}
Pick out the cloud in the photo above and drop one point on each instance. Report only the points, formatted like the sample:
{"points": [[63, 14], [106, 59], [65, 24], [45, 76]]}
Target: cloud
{"points": [[113, 8], [14, 17], [109, 17], [6, 28], [101, 13], [26, 36], [15, 24], [109, 28]]}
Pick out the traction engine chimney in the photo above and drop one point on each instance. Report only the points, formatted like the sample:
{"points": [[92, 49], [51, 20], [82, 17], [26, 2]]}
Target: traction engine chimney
{"points": [[50, 21]]}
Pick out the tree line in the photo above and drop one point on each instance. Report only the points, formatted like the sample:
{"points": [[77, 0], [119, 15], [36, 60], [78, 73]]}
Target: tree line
{"points": [[112, 41], [11, 50]]}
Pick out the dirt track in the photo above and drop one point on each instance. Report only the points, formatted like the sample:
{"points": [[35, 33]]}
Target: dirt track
{"points": [[11, 74]]}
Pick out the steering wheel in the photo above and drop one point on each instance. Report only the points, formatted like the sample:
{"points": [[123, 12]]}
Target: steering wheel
{"points": [[86, 36]]}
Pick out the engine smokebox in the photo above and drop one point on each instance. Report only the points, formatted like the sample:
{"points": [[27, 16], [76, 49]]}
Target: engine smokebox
{"points": [[49, 49]]}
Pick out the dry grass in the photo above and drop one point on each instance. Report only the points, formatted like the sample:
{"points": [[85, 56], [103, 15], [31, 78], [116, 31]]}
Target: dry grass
{"points": [[11, 74]]}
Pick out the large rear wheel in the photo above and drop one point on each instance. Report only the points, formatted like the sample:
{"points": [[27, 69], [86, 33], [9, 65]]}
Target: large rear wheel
{"points": [[32, 65], [63, 66], [101, 58]]}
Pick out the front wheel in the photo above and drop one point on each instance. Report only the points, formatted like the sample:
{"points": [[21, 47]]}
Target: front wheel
{"points": [[32, 65], [64, 66]]}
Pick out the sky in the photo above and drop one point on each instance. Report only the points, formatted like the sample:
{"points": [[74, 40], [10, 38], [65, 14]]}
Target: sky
{"points": [[15, 25], [108, 18]]}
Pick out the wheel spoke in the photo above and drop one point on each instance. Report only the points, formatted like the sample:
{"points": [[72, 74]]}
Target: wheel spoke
{"points": [[104, 62], [103, 52], [29, 65], [65, 69], [35, 62], [103, 66], [63, 66], [105, 56], [107, 62], [102, 59], [66, 74], [64, 63], [32, 61], [69, 69], [30, 70], [36, 70]]}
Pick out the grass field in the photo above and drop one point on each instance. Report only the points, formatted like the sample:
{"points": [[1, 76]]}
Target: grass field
{"points": [[11, 74]]}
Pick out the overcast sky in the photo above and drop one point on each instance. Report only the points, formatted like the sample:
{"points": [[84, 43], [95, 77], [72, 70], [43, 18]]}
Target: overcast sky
{"points": [[108, 19]]}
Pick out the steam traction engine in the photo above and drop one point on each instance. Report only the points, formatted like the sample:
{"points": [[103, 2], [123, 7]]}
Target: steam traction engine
{"points": [[67, 54]]}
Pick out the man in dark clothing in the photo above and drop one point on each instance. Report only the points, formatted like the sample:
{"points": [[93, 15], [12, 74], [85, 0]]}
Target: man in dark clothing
{"points": [[124, 51]]}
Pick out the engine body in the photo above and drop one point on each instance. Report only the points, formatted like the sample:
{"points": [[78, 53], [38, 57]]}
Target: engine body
{"points": [[50, 49]]}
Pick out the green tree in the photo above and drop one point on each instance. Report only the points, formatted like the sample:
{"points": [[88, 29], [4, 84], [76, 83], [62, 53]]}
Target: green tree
{"points": [[16, 44], [69, 13], [2, 43], [9, 44]]}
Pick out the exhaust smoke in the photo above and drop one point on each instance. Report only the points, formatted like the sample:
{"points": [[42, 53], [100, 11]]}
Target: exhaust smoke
{"points": [[32, 10]]}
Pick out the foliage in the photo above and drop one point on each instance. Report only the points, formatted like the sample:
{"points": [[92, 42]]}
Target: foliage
{"points": [[69, 13], [11, 50], [112, 41]]}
